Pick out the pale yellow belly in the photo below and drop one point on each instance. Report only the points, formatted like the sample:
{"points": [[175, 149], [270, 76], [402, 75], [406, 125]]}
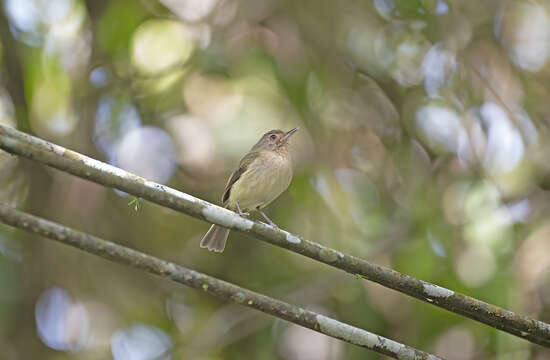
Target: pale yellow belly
{"points": [[262, 183]]}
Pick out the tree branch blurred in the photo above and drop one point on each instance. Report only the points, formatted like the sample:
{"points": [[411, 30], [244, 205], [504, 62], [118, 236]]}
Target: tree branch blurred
{"points": [[213, 286], [77, 164]]}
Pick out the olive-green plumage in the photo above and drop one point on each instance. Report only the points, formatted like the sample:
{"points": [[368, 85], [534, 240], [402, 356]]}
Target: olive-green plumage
{"points": [[263, 174]]}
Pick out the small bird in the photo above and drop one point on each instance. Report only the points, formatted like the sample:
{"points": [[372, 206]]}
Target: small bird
{"points": [[263, 174]]}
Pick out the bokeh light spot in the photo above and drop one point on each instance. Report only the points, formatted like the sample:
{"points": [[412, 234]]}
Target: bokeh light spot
{"points": [[504, 143], [149, 152], [442, 127], [475, 265], [61, 323], [140, 342], [114, 118], [159, 45], [438, 65], [524, 29], [191, 10]]}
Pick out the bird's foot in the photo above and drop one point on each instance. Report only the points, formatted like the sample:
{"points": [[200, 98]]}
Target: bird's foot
{"points": [[267, 218], [243, 214]]}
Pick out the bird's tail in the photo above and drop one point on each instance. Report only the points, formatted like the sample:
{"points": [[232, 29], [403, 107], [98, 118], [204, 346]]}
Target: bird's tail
{"points": [[215, 238]]}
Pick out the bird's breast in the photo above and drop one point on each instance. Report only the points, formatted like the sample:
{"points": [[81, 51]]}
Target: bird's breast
{"points": [[262, 182]]}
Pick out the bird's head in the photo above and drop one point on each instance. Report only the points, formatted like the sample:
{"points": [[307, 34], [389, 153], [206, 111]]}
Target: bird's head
{"points": [[274, 140]]}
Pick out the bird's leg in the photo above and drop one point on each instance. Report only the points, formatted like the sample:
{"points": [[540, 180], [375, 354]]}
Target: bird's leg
{"points": [[243, 214], [267, 219]]}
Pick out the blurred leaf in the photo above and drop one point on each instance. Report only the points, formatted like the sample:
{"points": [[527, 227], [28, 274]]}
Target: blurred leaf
{"points": [[117, 24]]}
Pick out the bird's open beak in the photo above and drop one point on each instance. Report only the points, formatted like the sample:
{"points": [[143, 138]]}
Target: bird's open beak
{"points": [[289, 133]]}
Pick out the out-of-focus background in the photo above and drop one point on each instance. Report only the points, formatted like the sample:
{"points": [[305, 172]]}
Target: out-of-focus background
{"points": [[424, 146]]}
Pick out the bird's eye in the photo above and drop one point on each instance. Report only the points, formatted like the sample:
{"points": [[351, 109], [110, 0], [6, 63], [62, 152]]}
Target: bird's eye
{"points": [[273, 137]]}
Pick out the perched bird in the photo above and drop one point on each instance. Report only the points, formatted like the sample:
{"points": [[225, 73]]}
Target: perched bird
{"points": [[263, 174]]}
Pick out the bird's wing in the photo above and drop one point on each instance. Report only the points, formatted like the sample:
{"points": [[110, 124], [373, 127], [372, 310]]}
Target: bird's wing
{"points": [[243, 165]]}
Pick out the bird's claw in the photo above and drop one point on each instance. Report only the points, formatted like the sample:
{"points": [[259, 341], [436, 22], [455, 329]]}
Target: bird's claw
{"points": [[243, 214]]}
